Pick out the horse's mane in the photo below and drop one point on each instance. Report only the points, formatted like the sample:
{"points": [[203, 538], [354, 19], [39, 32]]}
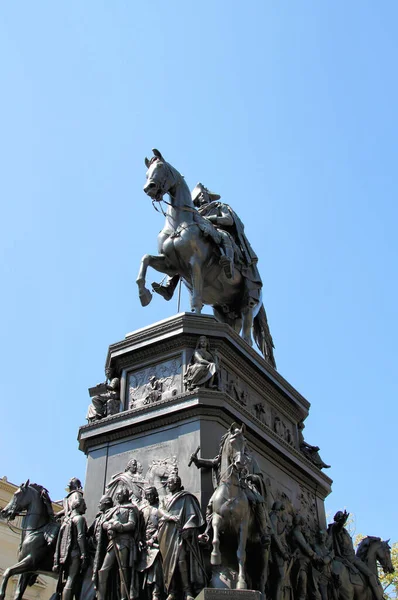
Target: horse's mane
{"points": [[44, 497], [363, 548]]}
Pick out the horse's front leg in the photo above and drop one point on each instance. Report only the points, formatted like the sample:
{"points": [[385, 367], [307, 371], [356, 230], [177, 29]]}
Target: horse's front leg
{"points": [[21, 567], [215, 558], [241, 553], [159, 263]]}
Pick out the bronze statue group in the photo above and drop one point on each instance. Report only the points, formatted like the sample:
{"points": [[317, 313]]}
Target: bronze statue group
{"points": [[146, 547]]}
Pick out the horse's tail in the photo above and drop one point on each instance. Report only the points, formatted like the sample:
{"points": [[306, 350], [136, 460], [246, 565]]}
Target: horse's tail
{"points": [[263, 337]]}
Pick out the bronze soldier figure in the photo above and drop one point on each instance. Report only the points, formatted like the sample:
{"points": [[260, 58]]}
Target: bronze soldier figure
{"points": [[75, 493], [120, 524], [95, 535], [71, 554], [151, 563]]}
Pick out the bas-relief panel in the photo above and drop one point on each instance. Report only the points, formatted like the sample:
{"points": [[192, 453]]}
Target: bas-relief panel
{"points": [[242, 392], [295, 497], [155, 382], [308, 509]]}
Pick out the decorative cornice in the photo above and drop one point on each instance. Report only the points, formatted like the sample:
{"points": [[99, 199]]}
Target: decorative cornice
{"points": [[194, 404]]}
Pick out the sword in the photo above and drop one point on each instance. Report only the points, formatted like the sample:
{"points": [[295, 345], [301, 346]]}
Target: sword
{"points": [[119, 564], [195, 554]]}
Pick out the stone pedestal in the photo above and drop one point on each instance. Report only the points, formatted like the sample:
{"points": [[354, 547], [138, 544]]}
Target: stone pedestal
{"points": [[214, 594], [161, 421]]}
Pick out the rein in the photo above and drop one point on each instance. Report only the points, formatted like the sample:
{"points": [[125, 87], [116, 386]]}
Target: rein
{"points": [[16, 529], [228, 471]]}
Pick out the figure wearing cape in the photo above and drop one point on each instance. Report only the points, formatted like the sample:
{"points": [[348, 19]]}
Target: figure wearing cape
{"points": [[227, 232], [178, 540]]}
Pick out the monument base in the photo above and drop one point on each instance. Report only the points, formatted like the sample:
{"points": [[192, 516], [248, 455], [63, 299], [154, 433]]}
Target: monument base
{"points": [[227, 594]]}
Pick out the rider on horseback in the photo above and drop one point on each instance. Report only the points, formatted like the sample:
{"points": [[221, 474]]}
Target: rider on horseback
{"points": [[344, 551], [253, 486], [228, 233]]}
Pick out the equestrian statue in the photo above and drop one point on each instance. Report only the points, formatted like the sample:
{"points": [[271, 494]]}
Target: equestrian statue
{"points": [[203, 243]]}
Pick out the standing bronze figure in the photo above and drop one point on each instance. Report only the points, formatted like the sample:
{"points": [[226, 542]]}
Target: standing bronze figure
{"points": [[121, 526], [150, 564], [71, 555], [183, 565], [191, 246]]}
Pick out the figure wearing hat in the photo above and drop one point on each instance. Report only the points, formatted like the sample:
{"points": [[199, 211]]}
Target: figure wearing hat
{"points": [[228, 234]]}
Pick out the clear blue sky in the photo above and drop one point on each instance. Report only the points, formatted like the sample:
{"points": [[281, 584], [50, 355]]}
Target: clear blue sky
{"points": [[289, 110]]}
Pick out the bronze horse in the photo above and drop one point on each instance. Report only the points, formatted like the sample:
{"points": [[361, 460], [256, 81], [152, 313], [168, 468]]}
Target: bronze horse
{"points": [[372, 550], [38, 538], [232, 513], [186, 251]]}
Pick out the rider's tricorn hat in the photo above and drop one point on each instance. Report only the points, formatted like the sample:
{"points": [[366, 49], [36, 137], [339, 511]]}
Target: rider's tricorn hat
{"points": [[199, 188]]}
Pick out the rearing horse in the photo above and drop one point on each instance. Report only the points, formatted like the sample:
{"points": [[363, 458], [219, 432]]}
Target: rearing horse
{"points": [[39, 533], [186, 251]]}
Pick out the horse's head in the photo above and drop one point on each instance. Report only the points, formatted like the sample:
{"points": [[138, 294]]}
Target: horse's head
{"points": [[160, 176], [383, 555], [374, 549], [236, 447], [19, 502]]}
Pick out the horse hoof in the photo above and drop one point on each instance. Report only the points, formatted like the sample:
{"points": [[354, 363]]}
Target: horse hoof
{"points": [[145, 298], [215, 558], [241, 585]]}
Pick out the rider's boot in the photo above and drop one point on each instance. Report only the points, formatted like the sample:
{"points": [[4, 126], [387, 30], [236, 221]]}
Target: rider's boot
{"points": [[102, 581], [167, 290], [126, 581], [204, 537], [183, 565], [227, 259]]}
